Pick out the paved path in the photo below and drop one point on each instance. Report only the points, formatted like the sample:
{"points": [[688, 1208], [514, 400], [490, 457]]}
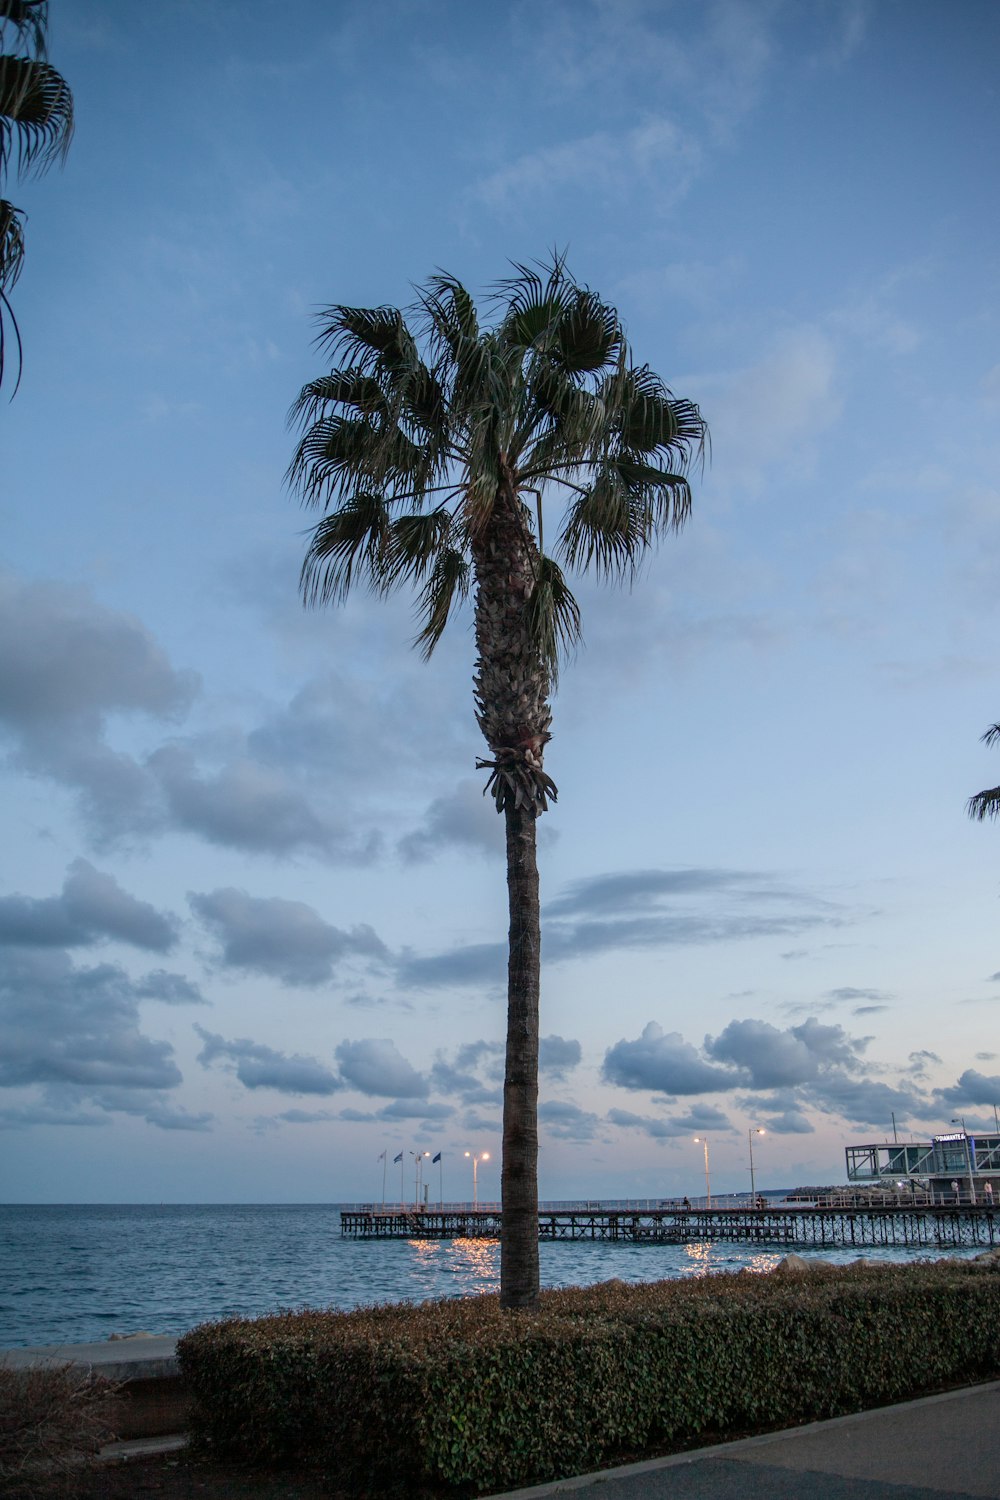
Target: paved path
{"points": [[140, 1357], [941, 1446]]}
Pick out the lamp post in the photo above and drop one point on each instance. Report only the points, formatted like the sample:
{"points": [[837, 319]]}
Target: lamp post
{"points": [[754, 1130], [960, 1120], [483, 1156], [418, 1157], [708, 1185]]}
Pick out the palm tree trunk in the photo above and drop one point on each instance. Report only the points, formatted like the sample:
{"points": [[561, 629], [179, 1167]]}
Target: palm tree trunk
{"points": [[519, 1179], [511, 691]]}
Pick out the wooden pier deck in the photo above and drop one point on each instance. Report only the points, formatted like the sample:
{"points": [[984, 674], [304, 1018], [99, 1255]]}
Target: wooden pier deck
{"points": [[930, 1228]]}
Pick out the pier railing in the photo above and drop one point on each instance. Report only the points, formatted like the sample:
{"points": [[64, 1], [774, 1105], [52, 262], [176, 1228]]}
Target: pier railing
{"points": [[930, 1227]]}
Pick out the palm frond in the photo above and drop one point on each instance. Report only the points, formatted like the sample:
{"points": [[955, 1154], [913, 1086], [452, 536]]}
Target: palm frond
{"points": [[347, 546], [11, 244], [563, 421], [337, 455], [370, 338], [984, 805], [446, 588], [535, 307], [345, 387], [29, 20], [664, 497], [7, 315], [552, 617], [606, 529], [649, 419], [414, 544], [588, 334], [992, 735], [36, 114]]}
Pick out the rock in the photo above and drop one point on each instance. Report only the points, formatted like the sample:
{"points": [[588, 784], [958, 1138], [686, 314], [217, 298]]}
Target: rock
{"points": [[792, 1265]]}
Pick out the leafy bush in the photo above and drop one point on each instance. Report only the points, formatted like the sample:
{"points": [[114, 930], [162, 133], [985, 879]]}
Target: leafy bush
{"points": [[51, 1419], [457, 1392]]}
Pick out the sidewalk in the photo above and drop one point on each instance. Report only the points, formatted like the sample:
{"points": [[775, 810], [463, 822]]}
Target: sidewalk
{"points": [[940, 1446]]}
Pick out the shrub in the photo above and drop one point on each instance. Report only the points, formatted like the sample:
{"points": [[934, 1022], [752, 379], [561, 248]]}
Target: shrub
{"points": [[459, 1393], [51, 1419]]}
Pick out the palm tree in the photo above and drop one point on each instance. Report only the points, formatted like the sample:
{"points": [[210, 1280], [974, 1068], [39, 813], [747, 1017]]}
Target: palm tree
{"points": [[986, 804], [36, 125], [431, 452]]}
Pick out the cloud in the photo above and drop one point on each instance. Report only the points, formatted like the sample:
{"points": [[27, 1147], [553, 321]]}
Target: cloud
{"points": [[863, 1101], [664, 1063], [972, 1088], [92, 908], [260, 1067], [639, 909], [557, 1055], [284, 940], [475, 1075], [658, 151], [698, 1120], [307, 1116], [567, 1121], [155, 1111], [67, 660], [170, 989], [75, 1028], [847, 992], [775, 1059], [48, 1111], [250, 806], [375, 1066], [464, 820], [789, 1122], [66, 664], [413, 1109], [474, 964], [768, 415], [644, 890]]}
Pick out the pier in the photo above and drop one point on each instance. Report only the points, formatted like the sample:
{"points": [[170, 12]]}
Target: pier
{"points": [[918, 1228]]}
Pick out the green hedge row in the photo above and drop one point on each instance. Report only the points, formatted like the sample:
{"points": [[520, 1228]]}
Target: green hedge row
{"points": [[459, 1393]]}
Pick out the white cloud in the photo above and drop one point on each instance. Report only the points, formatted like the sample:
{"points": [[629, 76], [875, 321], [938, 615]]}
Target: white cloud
{"points": [[286, 940]]}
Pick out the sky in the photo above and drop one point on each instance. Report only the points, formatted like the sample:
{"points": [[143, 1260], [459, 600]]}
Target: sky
{"points": [[252, 900]]}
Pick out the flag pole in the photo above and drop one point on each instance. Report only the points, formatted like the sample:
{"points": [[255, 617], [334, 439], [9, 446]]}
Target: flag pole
{"points": [[385, 1168]]}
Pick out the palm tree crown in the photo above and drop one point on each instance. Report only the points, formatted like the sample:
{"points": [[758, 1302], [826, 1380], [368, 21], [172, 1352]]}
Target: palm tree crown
{"points": [[986, 804], [420, 442], [432, 451], [36, 125]]}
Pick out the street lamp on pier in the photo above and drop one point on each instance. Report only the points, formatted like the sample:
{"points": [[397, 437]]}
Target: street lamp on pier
{"points": [[418, 1158], [960, 1120], [483, 1156], [701, 1140], [754, 1130]]}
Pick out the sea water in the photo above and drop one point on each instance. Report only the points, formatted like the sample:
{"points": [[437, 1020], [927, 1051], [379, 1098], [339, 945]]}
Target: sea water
{"points": [[75, 1273]]}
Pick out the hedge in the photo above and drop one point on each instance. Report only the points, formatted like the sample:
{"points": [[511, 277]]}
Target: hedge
{"points": [[459, 1393]]}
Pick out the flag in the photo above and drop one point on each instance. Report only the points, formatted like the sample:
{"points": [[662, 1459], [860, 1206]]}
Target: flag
{"points": [[398, 1158], [435, 1158], [381, 1158]]}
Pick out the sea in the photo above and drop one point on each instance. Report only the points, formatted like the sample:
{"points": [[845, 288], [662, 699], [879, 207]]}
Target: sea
{"points": [[78, 1273]]}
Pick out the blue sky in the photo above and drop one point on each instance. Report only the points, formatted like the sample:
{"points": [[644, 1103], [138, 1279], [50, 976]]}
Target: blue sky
{"points": [[252, 903]]}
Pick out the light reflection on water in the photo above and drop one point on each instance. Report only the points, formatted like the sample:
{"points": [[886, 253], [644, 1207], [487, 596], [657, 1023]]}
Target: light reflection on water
{"points": [[71, 1274]]}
